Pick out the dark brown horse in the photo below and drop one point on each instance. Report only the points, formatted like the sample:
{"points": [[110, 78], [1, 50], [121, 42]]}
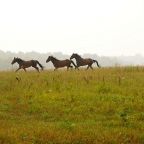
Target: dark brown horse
{"points": [[25, 64], [84, 61], [60, 63]]}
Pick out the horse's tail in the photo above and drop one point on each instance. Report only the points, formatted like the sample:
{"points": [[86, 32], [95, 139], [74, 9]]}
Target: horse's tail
{"points": [[97, 63], [73, 63], [42, 67]]}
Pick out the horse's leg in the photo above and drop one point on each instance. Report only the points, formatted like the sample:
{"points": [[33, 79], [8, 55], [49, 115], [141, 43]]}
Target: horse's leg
{"points": [[77, 67], [18, 69], [67, 68], [24, 69], [87, 67], [37, 68], [55, 69], [71, 67], [34, 66], [91, 67]]}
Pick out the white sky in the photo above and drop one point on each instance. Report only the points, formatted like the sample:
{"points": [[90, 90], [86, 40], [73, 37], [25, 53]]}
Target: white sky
{"points": [[104, 27]]}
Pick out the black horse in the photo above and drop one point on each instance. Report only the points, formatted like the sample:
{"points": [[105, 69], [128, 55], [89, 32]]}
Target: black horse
{"points": [[60, 63], [84, 61], [25, 64]]}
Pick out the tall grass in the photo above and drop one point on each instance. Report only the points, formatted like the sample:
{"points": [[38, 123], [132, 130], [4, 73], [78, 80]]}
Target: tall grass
{"points": [[101, 106]]}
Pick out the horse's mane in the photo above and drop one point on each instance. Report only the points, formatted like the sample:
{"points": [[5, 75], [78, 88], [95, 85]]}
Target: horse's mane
{"points": [[19, 59], [54, 58], [78, 55]]}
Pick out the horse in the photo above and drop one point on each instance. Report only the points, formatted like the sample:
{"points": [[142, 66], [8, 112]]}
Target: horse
{"points": [[26, 64], [60, 63], [84, 61]]}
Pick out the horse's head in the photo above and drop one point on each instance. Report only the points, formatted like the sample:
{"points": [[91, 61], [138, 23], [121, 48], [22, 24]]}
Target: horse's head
{"points": [[18, 60], [74, 55], [14, 60], [49, 59]]}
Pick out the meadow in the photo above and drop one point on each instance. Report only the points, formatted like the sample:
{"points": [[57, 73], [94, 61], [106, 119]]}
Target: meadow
{"points": [[103, 106]]}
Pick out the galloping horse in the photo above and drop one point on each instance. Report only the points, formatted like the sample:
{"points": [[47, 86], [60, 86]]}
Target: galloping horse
{"points": [[25, 64], [82, 62], [60, 63]]}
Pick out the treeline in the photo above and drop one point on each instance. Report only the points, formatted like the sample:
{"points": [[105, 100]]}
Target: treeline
{"points": [[6, 58]]}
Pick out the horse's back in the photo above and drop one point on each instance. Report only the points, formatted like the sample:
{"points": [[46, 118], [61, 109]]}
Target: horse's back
{"points": [[62, 63]]}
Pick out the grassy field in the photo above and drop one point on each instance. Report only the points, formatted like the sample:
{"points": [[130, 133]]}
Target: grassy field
{"points": [[101, 106]]}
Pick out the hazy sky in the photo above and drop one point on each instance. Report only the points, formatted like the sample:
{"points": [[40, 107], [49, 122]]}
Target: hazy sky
{"points": [[104, 27]]}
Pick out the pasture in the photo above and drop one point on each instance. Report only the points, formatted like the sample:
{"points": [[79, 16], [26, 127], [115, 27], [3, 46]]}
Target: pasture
{"points": [[103, 106]]}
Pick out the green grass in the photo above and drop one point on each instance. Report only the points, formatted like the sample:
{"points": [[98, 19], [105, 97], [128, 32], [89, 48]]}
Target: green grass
{"points": [[101, 106]]}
